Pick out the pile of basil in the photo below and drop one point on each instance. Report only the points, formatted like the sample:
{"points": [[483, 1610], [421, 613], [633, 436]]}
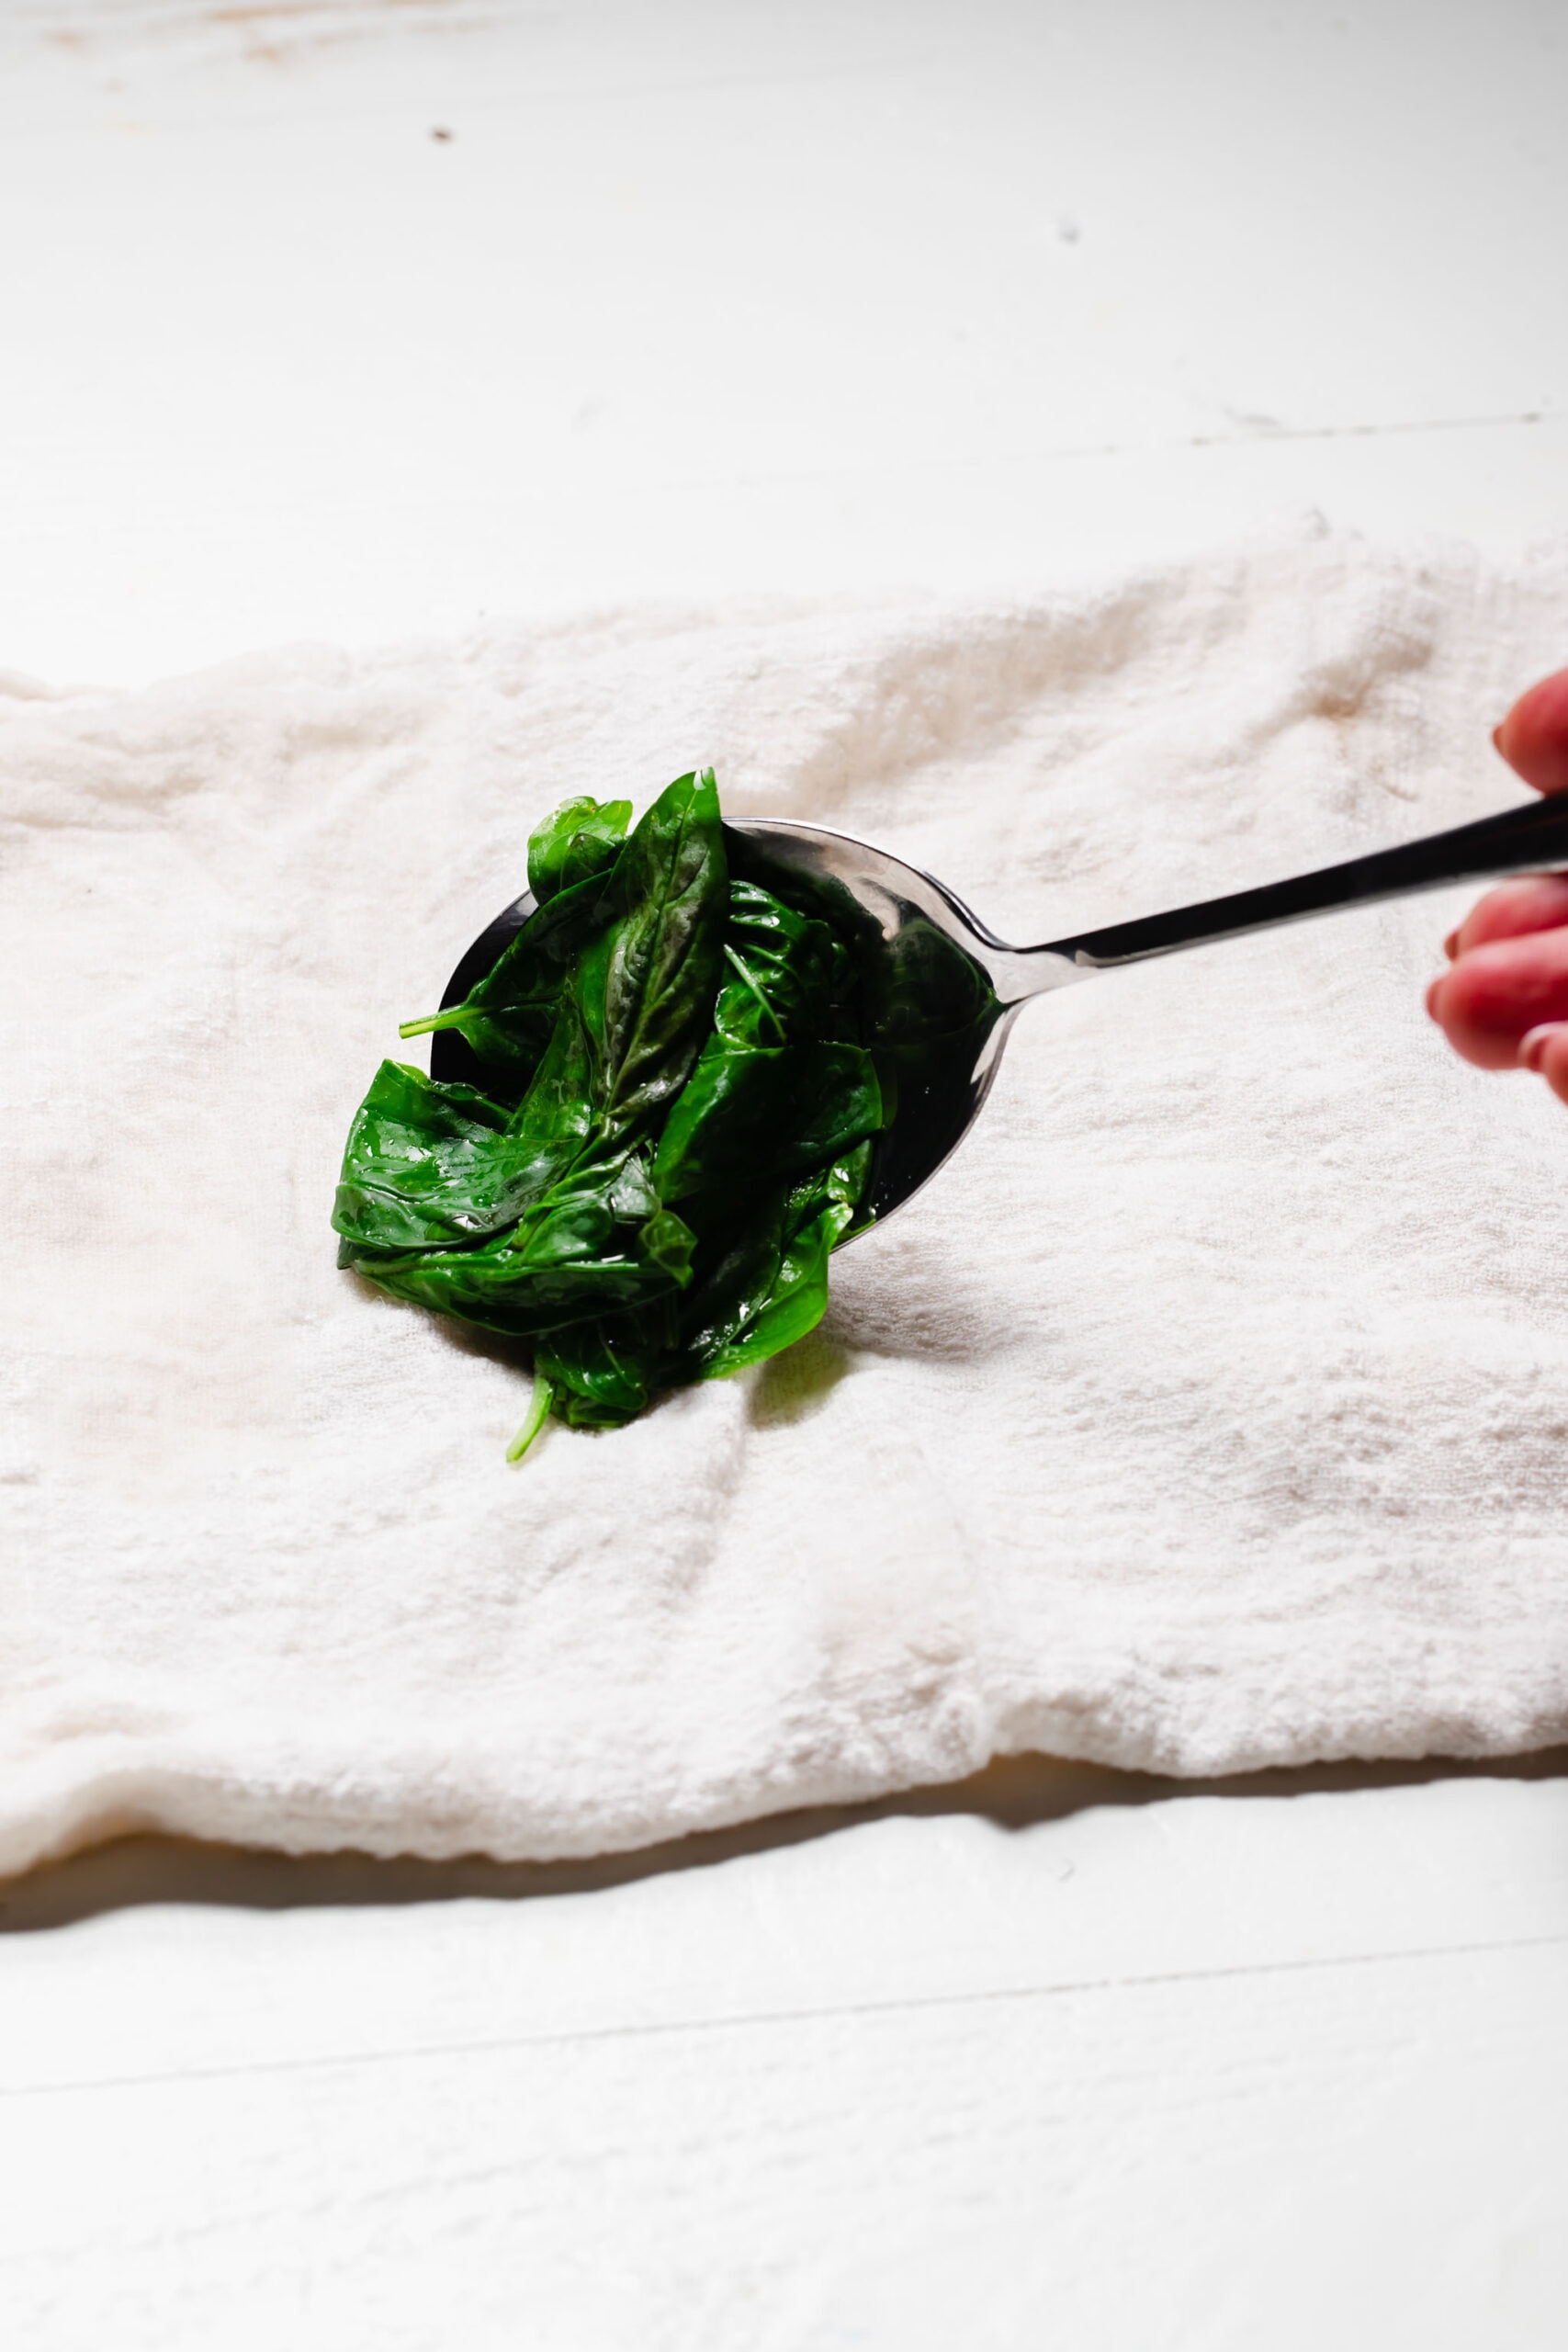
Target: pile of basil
{"points": [[673, 1133]]}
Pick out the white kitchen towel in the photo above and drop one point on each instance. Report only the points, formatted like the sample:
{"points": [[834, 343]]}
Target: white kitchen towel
{"points": [[1209, 1411]]}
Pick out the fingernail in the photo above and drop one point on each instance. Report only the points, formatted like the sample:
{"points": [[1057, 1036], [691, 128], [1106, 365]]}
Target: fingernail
{"points": [[1432, 994], [1534, 1043], [1497, 741], [1450, 947]]}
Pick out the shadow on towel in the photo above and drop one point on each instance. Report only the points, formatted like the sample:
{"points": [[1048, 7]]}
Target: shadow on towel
{"points": [[1014, 1792]]}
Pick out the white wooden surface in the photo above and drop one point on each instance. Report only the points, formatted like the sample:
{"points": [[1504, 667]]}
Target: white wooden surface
{"points": [[697, 297]]}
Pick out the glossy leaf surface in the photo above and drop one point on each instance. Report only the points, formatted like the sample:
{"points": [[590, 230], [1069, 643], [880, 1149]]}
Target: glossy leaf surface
{"points": [[579, 840], [509, 1017], [646, 987], [679, 1133]]}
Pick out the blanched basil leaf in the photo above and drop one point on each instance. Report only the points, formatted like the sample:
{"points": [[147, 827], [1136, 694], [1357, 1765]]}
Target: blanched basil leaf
{"points": [[659, 1036], [577, 840], [509, 1017], [645, 989]]}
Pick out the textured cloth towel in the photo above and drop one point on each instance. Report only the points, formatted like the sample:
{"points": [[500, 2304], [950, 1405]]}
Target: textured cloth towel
{"points": [[1210, 1410]]}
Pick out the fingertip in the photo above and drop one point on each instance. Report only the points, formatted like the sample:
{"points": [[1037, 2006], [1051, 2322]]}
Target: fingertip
{"points": [[1536, 1044], [1535, 902], [1533, 737], [1496, 993], [1544, 1049]]}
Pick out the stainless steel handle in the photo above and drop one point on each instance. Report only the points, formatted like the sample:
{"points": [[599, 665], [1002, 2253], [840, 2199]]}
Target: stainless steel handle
{"points": [[1520, 840]]}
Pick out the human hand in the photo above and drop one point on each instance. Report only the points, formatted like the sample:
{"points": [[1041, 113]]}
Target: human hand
{"points": [[1502, 1003]]}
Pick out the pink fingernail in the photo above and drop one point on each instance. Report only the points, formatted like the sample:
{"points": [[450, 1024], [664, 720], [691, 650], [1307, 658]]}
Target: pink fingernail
{"points": [[1534, 1043], [1450, 946], [1497, 740], [1432, 994]]}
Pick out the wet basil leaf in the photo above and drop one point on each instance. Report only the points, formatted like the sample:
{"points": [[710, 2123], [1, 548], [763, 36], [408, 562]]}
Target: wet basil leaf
{"points": [[770, 1096], [421, 1159], [770, 1286], [680, 1131], [576, 841], [646, 987], [509, 1017], [603, 1373], [784, 968], [749, 1116]]}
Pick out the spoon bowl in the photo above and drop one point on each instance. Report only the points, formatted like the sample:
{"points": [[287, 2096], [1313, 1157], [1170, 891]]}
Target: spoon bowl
{"points": [[944, 990]]}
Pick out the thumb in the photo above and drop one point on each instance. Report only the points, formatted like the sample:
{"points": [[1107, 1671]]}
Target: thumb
{"points": [[1533, 738]]}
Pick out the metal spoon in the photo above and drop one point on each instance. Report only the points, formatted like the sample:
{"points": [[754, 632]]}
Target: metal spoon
{"points": [[949, 990]]}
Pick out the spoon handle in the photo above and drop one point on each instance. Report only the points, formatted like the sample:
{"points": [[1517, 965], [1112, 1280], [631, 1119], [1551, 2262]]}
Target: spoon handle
{"points": [[1520, 840]]}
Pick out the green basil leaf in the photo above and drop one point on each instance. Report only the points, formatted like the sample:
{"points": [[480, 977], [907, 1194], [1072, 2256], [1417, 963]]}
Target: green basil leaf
{"points": [[795, 1303], [768, 1096], [660, 1036], [509, 1016], [748, 1115], [428, 1166], [769, 1286], [523, 1292], [668, 1242], [577, 840], [419, 1162], [783, 968], [601, 1373], [645, 989]]}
